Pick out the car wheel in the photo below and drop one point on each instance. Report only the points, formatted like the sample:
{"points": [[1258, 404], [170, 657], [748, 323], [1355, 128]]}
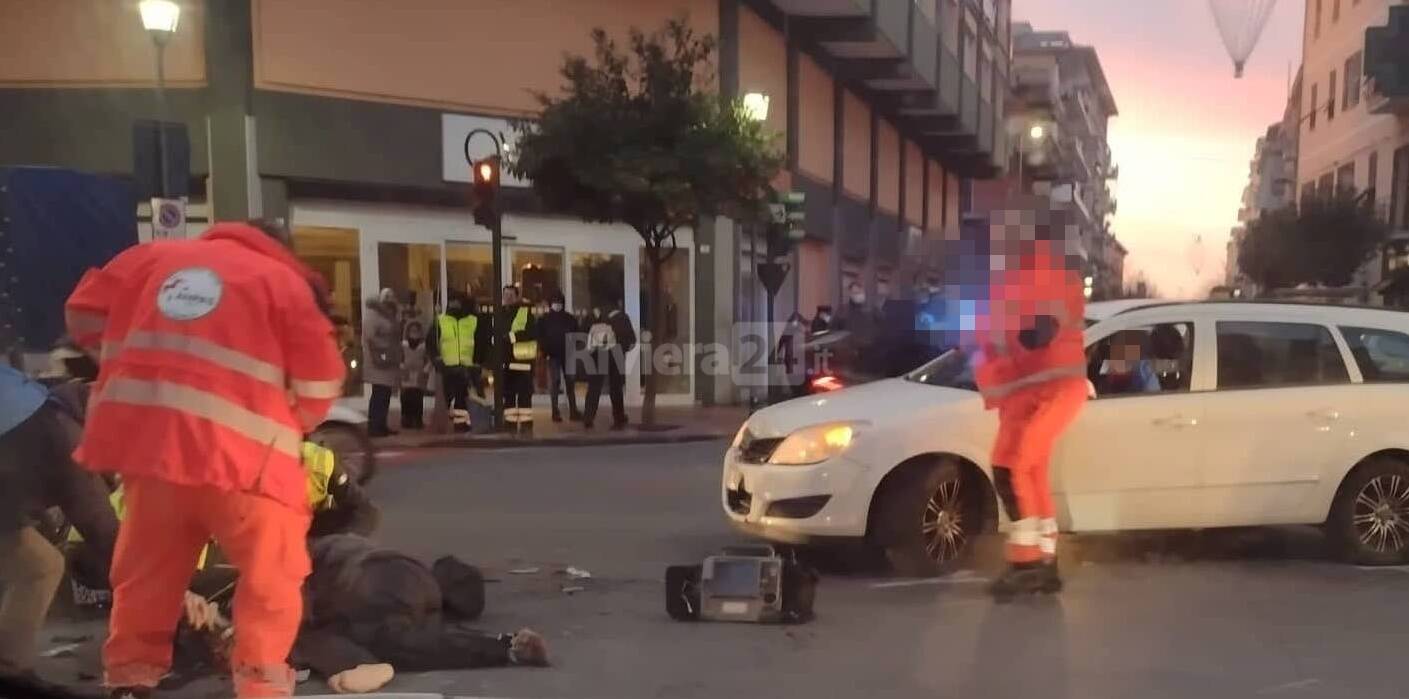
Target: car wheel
{"points": [[1370, 517], [351, 447], [928, 519]]}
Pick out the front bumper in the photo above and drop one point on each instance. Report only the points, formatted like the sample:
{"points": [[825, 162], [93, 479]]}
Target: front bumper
{"points": [[764, 500]]}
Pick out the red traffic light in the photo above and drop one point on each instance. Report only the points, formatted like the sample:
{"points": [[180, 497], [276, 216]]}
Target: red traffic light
{"points": [[486, 171]]}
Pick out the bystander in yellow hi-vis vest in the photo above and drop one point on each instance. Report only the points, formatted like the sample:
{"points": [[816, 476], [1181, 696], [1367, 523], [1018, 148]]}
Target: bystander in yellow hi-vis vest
{"points": [[457, 339], [524, 350]]}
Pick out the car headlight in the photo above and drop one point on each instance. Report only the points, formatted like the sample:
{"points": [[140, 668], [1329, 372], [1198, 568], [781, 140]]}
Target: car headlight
{"points": [[815, 444]]}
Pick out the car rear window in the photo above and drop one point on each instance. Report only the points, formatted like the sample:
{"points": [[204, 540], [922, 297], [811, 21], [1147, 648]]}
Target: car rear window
{"points": [[1382, 355], [1265, 355]]}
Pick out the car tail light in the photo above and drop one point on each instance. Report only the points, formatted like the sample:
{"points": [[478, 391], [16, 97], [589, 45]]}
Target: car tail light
{"points": [[823, 384]]}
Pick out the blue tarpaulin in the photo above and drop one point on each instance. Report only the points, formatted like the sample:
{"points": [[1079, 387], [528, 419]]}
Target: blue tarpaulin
{"points": [[57, 224]]}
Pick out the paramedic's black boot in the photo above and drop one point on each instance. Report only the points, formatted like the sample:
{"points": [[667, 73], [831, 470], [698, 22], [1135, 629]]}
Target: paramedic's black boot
{"points": [[1021, 579]]}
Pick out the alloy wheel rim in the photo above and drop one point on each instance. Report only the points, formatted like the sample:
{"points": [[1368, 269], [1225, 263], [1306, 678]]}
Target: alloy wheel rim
{"points": [[942, 526], [1381, 514]]}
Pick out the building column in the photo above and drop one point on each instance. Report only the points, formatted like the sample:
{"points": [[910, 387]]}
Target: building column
{"points": [[234, 190], [716, 256]]}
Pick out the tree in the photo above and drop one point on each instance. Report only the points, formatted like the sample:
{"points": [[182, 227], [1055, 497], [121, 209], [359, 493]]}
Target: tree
{"points": [[640, 136], [1324, 242]]}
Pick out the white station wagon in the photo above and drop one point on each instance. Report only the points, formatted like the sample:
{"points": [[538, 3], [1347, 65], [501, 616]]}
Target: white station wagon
{"points": [[1263, 414]]}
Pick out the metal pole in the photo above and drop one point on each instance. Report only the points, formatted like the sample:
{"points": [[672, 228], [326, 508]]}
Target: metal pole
{"points": [[501, 332], [163, 189]]}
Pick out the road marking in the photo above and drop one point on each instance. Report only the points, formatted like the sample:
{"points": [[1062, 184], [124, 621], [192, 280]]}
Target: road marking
{"points": [[1299, 684], [391, 454], [1396, 569], [963, 577]]}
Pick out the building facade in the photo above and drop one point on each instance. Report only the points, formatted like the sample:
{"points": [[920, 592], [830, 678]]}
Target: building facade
{"points": [[1354, 115], [349, 122], [1271, 186], [1057, 123]]}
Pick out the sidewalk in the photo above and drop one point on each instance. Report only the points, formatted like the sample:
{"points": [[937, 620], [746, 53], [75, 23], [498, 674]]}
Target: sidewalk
{"points": [[674, 424]]}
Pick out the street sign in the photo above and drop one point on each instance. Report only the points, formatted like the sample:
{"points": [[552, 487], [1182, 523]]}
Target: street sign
{"points": [[168, 219]]}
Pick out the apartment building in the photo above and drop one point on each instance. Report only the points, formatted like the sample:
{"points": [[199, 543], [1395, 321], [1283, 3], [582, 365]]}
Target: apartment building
{"points": [[1057, 122], [349, 121], [1354, 123]]}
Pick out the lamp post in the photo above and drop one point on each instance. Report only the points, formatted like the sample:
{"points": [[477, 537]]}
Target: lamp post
{"points": [[486, 178], [160, 18]]}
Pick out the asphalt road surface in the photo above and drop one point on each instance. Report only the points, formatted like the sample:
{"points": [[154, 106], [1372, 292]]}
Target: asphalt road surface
{"points": [[1210, 614]]}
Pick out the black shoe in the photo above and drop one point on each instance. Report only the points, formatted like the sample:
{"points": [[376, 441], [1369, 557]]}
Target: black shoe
{"points": [[1026, 579], [586, 424], [557, 416], [575, 415]]}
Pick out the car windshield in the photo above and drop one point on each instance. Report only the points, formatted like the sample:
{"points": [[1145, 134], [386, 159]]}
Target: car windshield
{"points": [[949, 370]]}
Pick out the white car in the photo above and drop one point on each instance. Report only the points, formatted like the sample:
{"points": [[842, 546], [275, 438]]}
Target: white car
{"points": [[1266, 414]]}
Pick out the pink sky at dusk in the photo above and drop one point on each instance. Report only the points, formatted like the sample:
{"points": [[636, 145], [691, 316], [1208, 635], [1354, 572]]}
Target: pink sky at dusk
{"points": [[1186, 129]]}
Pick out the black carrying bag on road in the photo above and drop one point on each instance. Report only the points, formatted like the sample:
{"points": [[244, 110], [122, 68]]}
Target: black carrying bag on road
{"points": [[461, 588]]}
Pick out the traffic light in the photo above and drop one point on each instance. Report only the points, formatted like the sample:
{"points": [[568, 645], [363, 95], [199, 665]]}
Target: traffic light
{"points": [[486, 190]]}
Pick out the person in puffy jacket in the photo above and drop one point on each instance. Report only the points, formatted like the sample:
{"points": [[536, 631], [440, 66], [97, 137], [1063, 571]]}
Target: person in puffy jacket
{"points": [[216, 357], [1031, 368], [381, 358]]}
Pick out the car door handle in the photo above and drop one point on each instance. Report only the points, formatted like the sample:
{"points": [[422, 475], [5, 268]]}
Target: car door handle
{"points": [[1176, 421], [1327, 415]]}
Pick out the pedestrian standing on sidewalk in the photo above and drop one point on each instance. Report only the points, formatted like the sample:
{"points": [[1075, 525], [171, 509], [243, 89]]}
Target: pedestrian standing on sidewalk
{"points": [[516, 318], [609, 338], [37, 471], [381, 352], [415, 375], [217, 357], [559, 331], [456, 346]]}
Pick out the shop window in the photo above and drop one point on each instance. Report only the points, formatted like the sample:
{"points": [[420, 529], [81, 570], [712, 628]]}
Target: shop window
{"points": [[598, 282], [671, 346], [335, 254], [469, 270], [412, 272], [539, 274]]}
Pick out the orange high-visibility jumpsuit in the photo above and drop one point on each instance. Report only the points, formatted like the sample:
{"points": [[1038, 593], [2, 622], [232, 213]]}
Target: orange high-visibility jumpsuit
{"points": [[1036, 390], [215, 360]]}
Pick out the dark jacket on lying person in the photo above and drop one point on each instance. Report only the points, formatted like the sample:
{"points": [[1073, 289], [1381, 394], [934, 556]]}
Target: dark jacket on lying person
{"points": [[364, 604]]}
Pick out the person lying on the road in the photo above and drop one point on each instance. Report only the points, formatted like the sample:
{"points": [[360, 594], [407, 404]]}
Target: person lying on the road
{"points": [[370, 612]]}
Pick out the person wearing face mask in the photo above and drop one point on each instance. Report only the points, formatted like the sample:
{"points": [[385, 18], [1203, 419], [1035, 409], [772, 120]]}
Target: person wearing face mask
{"points": [[822, 321], [455, 347], [1031, 368], [558, 328]]}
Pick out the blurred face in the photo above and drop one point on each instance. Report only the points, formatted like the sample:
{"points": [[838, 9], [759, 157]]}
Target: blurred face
{"points": [[1125, 352], [511, 296]]}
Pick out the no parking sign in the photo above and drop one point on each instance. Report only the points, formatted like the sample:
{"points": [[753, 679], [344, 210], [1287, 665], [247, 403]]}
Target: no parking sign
{"points": [[168, 219]]}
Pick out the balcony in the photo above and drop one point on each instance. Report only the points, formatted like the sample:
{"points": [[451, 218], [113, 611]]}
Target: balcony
{"points": [[1387, 64], [898, 53]]}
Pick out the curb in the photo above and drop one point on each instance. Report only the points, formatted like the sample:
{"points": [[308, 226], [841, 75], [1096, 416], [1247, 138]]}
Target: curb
{"points": [[510, 442]]}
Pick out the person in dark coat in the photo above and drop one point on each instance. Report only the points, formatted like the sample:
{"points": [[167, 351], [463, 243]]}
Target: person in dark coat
{"points": [[371, 611], [37, 472], [822, 321], [558, 330], [381, 352], [609, 339]]}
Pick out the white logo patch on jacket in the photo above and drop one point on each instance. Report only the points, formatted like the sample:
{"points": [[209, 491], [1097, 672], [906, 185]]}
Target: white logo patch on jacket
{"points": [[189, 293]]}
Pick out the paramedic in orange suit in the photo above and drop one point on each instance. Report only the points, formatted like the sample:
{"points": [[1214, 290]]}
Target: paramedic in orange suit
{"points": [[216, 358], [1031, 369]]}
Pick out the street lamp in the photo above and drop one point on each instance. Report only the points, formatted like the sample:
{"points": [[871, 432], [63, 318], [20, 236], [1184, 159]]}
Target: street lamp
{"points": [[1036, 132], [756, 106], [160, 18]]}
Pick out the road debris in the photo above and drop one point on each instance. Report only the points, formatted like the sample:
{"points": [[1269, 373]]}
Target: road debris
{"points": [[577, 573], [524, 571], [64, 651], [570, 589]]}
